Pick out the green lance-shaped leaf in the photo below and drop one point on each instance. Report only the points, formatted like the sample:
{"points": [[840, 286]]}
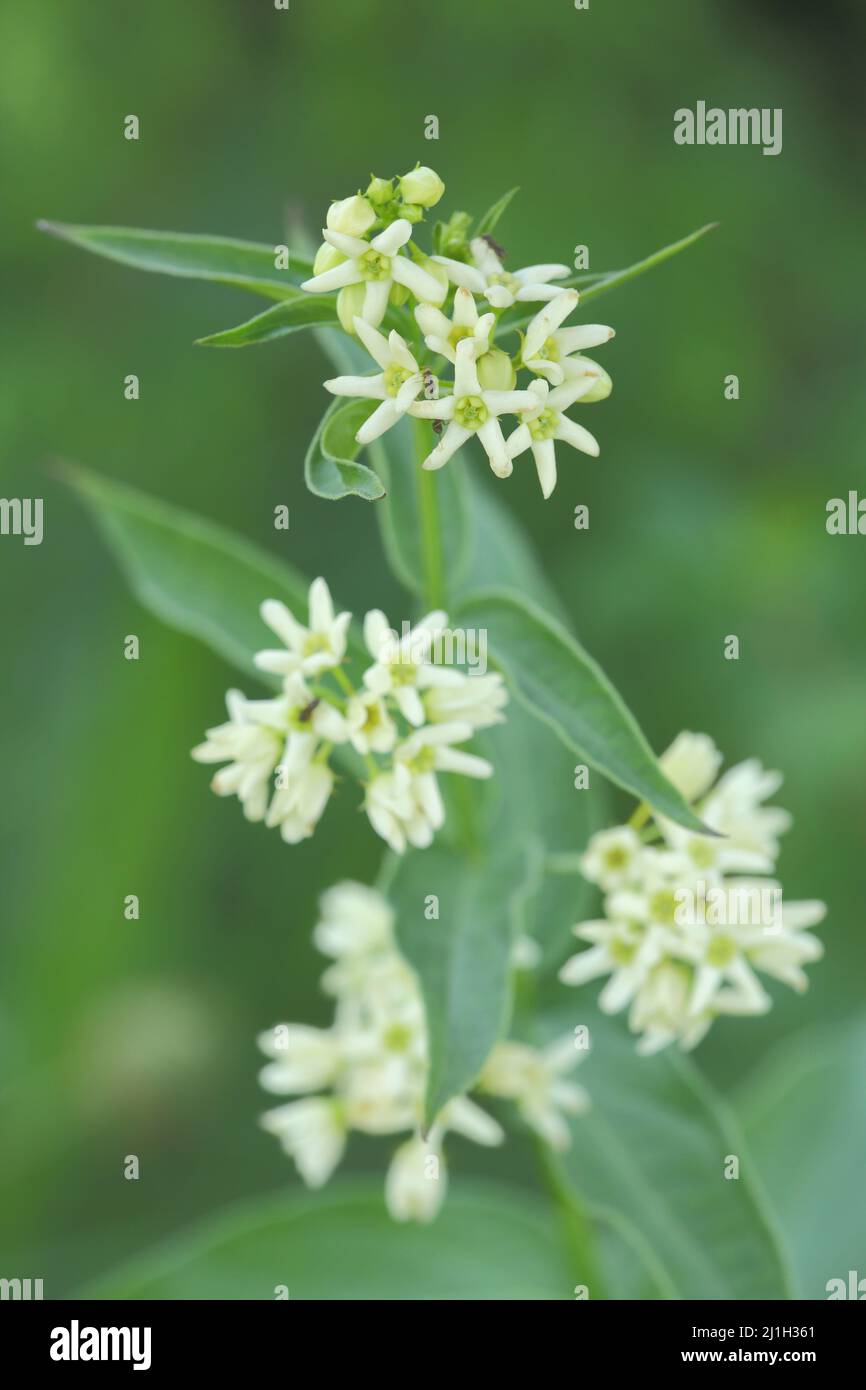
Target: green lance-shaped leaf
{"points": [[653, 1150], [487, 1243], [330, 468], [289, 316], [489, 221], [555, 679], [805, 1124], [612, 279], [193, 574], [246, 264]]}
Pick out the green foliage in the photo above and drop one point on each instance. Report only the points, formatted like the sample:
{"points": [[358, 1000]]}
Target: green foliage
{"points": [[330, 467], [486, 1244], [293, 313]]}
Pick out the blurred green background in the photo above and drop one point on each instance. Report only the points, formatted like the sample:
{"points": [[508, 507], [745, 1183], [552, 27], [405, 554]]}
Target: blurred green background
{"points": [[707, 516]]}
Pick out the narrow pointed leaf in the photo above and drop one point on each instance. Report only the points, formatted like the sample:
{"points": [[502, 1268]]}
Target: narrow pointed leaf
{"points": [[246, 264], [289, 316], [488, 222], [560, 684], [330, 467], [193, 574]]}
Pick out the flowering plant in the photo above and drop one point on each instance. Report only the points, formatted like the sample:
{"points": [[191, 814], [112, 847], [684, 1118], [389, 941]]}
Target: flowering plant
{"points": [[449, 973]]}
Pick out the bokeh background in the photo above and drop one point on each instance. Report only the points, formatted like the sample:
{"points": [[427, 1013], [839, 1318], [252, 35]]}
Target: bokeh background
{"points": [[707, 516]]}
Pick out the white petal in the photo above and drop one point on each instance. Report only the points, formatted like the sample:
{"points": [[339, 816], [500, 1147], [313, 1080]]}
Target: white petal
{"points": [[544, 453], [419, 281], [375, 342], [351, 246], [453, 438], [393, 237], [584, 335], [376, 300], [461, 274], [519, 441], [347, 273], [576, 436], [527, 294], [465, 310], [400, 352], [509, 402], [532, 273], [465, 371], [383, 417], [493, 440], [547, 321], [372, 387]]}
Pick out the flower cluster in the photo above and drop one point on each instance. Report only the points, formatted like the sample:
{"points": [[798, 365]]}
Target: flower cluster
{"points": [[404, 720], [370, 257], [367, 1072], [690, 918]]}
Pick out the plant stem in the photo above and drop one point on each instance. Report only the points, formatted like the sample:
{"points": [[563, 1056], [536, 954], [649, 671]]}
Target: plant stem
{"points": [[576, 1221], [428, 512]]}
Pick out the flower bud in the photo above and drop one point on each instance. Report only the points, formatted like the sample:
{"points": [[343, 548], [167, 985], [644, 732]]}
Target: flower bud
{"points": [[496, 371], [451, 237], [413, 212], [380, 191], [352, 216], [350, 302], [603, 385], [422, 185], [398, 296], [327, 257]]}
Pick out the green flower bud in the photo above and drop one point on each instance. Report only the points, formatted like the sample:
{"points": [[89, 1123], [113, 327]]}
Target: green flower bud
{"points": [[496, 371], [380, 191], [451, 238], [352, 216], [399, 294], [422, 185], [327, 257], [350, 302], [413, 212]]}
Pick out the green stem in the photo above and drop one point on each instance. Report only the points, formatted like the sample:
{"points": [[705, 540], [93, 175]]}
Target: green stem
{"points": [[428, 511], [575, 1218]]}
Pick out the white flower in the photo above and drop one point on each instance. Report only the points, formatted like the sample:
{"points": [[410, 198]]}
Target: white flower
{"points": [[692, 763], [393, 812], [535, 1080], [405, 804], [622, 950], [545, 421], [303, 790], [487, 276], [378, 267], [302, 1059], [354, 216], [548, 349], [442, 335], [309, 650], [471, 410], [612, 857], [422, 186], [783, 954], [312, 1133], [398, 384], [734, 808], [475, 700], [660, 1011], [371, 728], [402, 665], [355, 920], [251, 748], [416, 1182]]}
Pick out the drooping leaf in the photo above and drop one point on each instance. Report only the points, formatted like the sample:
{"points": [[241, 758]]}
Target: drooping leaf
{"points": [[289, 316], [489, 1243], [557, 682], [654, 1148], [805, 1121], [246, 264], [330, 467], [193, 574], [488, 222]]}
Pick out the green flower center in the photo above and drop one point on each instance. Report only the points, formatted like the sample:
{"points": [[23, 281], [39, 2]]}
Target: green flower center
{"points": [[374, 266], [722, 951], [701, 853], [402, 672], [373, 719], [622, 952], [395, 376], [663, 906], [425, 761], [616, 857], [501, 277], [471, 412], [397, 1038], [316, 642], [544, 426], [458, 333]]}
